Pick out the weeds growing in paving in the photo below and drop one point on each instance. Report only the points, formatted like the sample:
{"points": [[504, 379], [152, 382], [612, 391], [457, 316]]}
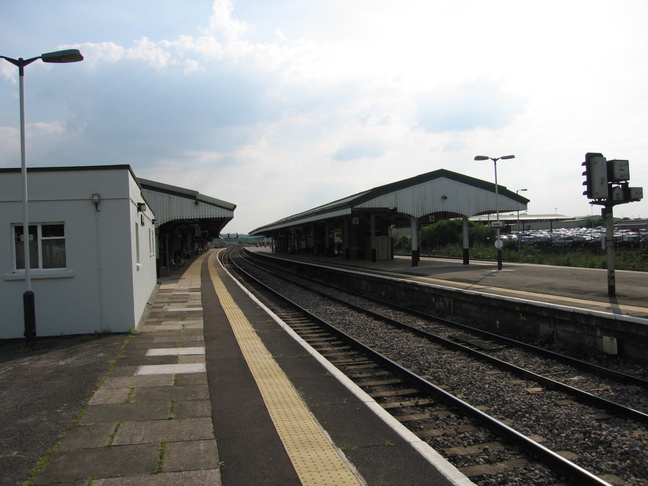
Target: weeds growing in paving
{"points": [[160, 462], [42, 462]]}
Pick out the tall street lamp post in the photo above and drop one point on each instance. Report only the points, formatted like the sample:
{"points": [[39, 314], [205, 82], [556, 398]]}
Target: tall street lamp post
{"points": [[498, 224], [69, 55]]}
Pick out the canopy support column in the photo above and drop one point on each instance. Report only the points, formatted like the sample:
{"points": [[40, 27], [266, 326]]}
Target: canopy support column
{"points": [[414, 236], [372, 223], [466, 238]]}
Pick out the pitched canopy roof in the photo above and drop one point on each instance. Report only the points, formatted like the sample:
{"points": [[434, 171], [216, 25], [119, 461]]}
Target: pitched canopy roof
{"points": [[177, 207], [440, 191]]}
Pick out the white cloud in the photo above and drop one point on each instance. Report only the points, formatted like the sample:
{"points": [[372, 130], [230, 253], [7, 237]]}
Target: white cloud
{"points": [[157, 54], [221, 22], [10, 142], [358, 150], [280, 106], [101, 52], [468, 106]]}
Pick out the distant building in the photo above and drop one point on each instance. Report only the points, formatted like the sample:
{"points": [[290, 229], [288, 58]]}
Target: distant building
{"points": [[526, 222], [633, 224], [534, 222]]}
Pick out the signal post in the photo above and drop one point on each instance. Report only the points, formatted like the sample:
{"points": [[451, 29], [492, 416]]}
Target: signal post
{"points": [[607, 184]]}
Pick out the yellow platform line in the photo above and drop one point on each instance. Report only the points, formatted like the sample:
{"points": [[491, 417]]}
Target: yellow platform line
{"points": [[316, 460]]}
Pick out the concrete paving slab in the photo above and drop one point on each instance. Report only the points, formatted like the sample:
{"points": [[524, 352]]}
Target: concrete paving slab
{"points": [[137, 381], [177, 326], [192, 341], [138, 356], [167, 327], [191, 379], [154, 331], [102, 462], [189, 392], [191, 322], [139, 359], [166, 369], [164, 430], [211, 477], [87, 436], [175, 351], [190, 456], [105, 396], [159, 338], [184, 309], [126, 411], [192, 408], [190, 359]]}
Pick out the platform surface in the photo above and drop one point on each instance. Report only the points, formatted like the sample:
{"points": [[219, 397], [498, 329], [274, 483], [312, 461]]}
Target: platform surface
{"points": [[585, 288], [209, 391]]}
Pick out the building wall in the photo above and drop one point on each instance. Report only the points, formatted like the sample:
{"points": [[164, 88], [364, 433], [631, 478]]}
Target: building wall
{"points": [[102, 289], [143, 266]]}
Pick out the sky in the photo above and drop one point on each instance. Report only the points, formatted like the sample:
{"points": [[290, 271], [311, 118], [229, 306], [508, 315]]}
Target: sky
{"points": [[279, 106]]}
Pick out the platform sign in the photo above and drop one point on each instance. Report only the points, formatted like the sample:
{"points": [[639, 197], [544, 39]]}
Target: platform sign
{"points": [[497, 224]]}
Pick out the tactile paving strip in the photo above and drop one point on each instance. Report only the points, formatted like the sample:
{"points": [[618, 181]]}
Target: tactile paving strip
{"points": [[316, 460]]}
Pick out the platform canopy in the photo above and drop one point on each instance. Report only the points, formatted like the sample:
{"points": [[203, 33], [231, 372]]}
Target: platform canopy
{"points": [[441, 192], [178, 207]]}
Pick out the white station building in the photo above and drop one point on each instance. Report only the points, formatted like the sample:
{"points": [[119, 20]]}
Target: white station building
{"points": [[94, 245]]}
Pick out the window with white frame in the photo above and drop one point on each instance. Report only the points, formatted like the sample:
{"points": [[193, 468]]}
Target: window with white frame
{"points": [[46, 246]]}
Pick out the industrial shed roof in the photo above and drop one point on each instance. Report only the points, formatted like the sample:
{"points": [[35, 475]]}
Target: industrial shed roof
{"points": [[440, 191]]}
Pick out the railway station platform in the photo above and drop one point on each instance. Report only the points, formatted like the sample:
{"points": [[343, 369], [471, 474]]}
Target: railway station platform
{"points": [[584, 288], [213, 391]]}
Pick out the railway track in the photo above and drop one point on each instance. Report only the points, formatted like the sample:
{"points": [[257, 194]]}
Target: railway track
{"points": [[489, 450], [593, 380], [481, 335]]}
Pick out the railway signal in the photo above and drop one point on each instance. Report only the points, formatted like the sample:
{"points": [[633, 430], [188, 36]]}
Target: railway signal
{"points": [[596, 180], [607, 183]]}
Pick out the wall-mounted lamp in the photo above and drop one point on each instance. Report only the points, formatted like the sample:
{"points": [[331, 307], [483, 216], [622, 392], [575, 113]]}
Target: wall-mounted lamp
{"points": [[141, 207], [444, 197], [96, 199], [196, 202], [154, 221]]}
